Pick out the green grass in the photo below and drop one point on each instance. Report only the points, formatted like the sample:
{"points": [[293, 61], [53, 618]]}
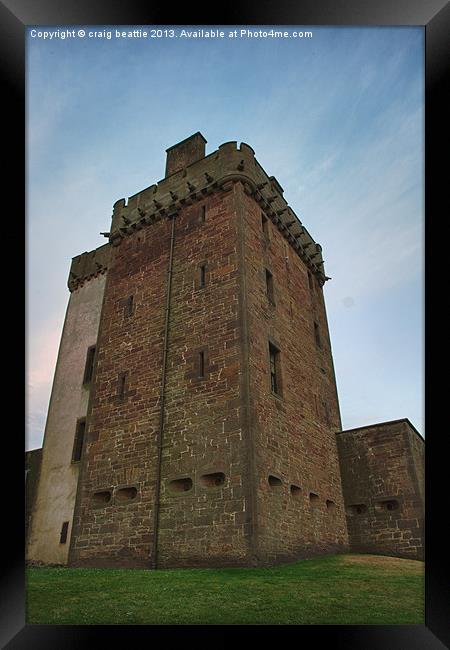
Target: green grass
{"points": [[334, 590]]}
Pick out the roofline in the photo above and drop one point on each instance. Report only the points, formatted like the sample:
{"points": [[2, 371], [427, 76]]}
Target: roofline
{"points": [[380, 424]]}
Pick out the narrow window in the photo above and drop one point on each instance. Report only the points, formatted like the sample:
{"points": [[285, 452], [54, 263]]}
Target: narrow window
{"points": [[314, 499], [310, 281], [89, 367], [121, 385], [274, 362], [326, 413], [202, 276], [317, 334], [78, 442], [128, 309], [330, 505], [201, 364], [316, 403], [63, 535], [269, 286], [264, 225], [203, 214], [296, 491]]}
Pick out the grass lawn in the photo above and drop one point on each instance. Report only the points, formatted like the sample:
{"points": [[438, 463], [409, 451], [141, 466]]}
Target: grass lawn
{"points": [[339, 589]]}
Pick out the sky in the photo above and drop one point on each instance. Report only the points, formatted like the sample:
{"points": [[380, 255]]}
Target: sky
{"points": [[337, 118]]}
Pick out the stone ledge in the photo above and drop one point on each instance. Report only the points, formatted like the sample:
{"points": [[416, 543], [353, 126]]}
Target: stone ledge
{"points": [[88, 265]]}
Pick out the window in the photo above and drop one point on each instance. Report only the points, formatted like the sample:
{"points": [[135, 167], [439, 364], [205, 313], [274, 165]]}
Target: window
{"points": [[78, 442], [310, 281], [275, 375], [63, 535], [269, 286], [203, 214], [128, 308], [202, 276], [296, 491], [314, 500], [264, 225], [89, 367], [317, 334], [121, 385], [201, 364]]}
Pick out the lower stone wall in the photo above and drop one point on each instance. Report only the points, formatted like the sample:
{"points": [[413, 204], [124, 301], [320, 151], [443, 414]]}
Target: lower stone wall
{"points": [[382, 480]]}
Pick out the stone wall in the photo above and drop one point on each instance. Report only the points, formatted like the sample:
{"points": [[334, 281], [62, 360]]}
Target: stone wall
{"points": [[203, 434], [299, 503], [202, 510], [382, 477]]}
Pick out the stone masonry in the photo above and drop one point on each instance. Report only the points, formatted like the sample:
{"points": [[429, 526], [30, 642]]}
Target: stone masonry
{"points": [[382, 478], [210, 428]]}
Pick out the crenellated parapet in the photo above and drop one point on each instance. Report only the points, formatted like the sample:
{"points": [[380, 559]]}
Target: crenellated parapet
{"points": [[88, 265], [213, 173]]}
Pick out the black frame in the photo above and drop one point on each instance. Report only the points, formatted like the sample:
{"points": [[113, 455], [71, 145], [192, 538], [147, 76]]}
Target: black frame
{"points": [[434, 15]]}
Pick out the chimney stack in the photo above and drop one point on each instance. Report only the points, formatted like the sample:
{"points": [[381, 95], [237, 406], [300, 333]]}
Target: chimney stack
{"points": [[185, 153]]}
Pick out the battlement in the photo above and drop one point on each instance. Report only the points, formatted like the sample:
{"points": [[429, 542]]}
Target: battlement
{"points": [[212, 173], [88, 265]]}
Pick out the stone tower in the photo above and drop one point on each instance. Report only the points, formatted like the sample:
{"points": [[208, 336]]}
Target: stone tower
{"points": [[208, 435]]}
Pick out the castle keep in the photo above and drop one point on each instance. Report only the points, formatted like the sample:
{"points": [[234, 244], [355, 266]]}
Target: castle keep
{"points": [[194, 417]]}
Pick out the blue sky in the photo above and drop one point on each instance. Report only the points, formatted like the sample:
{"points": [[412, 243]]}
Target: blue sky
{"points": [[337, 118]]}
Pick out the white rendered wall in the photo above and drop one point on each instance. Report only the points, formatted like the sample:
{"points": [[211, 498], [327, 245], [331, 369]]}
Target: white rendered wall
{"points": [[57, 487]]}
